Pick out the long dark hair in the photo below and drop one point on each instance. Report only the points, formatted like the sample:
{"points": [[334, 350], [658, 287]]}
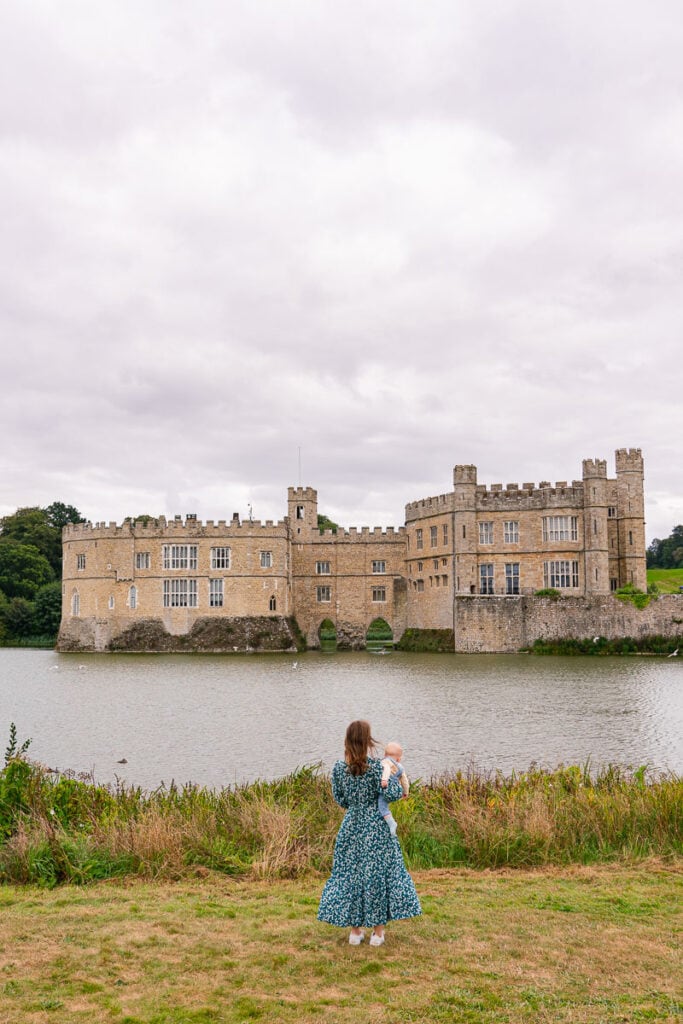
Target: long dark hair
{"points": [[358, 743]]}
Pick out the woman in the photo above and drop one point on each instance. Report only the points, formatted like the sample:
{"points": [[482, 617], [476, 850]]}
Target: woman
{"points": [[369, 884]]}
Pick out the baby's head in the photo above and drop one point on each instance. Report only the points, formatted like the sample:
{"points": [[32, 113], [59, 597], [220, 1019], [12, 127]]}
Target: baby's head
{"points": [[394, 750]]}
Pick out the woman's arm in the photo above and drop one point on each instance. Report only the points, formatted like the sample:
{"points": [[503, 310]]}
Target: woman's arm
{"points": [[338, 787]]}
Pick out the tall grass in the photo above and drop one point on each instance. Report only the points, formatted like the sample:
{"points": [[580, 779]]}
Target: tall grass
{"points": [[64, 829]]}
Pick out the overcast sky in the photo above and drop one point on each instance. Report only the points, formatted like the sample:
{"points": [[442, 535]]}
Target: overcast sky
{"points": [[392, 236]]}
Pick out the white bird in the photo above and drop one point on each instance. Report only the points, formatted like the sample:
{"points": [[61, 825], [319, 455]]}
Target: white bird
{"points": [[673, 654], [295, 664], [595, 639], [81, 668]]}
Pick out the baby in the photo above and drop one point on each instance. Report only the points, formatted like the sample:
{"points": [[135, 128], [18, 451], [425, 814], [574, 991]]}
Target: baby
{"points": [[391, 765]]}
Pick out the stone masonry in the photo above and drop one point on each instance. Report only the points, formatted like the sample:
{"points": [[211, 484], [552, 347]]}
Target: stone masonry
{"points": [[140, 584]]}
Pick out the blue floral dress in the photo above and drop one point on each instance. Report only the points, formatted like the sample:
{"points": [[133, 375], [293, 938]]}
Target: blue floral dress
{"points": [[369, 884]]}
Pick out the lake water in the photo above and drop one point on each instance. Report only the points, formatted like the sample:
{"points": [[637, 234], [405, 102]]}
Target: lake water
{"points": [[217, 720]]}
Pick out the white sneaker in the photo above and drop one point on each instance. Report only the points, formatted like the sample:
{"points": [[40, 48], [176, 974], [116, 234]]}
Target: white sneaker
{"points": [[376, 940], [355, 940]]}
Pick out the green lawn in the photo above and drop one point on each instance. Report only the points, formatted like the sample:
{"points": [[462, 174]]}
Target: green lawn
{"points": [[668, 580], [581, 945]]}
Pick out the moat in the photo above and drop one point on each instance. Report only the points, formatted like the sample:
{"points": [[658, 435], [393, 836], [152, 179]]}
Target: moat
{"points": [[217, 720]]}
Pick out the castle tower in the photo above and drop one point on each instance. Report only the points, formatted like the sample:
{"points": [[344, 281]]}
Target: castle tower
{"points": [[302, 510], [465, 529], [631, 517], [596, 546]]}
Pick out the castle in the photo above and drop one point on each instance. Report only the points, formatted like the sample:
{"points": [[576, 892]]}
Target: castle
{"points": [[158, 584]]}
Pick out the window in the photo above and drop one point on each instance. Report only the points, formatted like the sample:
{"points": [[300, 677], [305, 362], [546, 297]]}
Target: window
{"points": [[215, 593], [379, 593], [272, 604], [445, 533], [220, 558], [111, 602], [560, 575], [80, 562], [444, 561], [379, 566], [180, 593], [560, 528], [436, 563], [132, 598], [180, 556], [322, 568], [464, 531], [418, 538], [612, 512], [143, 560], [486, 578], [511, 531], [266, 559], [486, 533], [512, 577], [324, 594], [420, 586], [613, 584], [75, 604], [433, 536], [420, 566], [630, 536], [299, 512], [445, 580]]}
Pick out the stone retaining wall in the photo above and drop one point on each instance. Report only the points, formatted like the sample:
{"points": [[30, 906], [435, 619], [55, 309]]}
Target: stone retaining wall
{"points": [[508, 624]]}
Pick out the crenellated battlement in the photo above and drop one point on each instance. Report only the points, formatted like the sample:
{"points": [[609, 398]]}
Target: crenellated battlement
{"points": [[593, 468], [464, 475], [544, 492], [433, 506], [629, 460], [366, 533], [302, 494], [173, 528]]}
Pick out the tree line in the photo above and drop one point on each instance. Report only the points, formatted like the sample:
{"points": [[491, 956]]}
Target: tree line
{"points": [[667, 554], [31, 572]]}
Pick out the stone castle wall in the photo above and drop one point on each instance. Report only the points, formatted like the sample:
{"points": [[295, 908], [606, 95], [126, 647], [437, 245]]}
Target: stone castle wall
{"points": [[508, 624], [116, 577]]}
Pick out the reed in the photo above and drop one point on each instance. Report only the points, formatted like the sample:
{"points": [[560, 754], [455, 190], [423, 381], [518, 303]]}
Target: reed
{"points": [[66, 829]]}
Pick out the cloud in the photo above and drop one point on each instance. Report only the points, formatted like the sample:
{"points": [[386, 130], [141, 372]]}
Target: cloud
{"points": [[394, 238]]}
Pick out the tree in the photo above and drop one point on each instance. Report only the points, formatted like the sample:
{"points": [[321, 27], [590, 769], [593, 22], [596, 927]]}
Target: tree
{"points": [[668, 553], [58, 515], [30, 526], [326, 524], [18, 617], [48, 609], [23, 569]]}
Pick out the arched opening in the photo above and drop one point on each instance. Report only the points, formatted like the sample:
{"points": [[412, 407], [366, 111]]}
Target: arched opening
{"points": [[379, 636], [75, 604], [133, 598], [327, 634], [272, 604]]}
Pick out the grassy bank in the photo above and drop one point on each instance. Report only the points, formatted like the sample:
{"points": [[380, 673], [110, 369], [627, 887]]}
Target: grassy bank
{"points": [[571, 946], [60, 829], [601, 646], [667, 581]]}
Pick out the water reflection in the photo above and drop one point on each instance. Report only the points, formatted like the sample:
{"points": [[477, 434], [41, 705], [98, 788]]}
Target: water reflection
{"points": [[218, 720]]}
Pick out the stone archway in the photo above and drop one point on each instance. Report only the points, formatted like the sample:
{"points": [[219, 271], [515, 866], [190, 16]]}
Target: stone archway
{"points": [[379, 636], [327, 635]]}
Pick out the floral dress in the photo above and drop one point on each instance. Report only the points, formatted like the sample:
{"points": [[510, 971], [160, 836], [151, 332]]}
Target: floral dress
{"points": [[369, 884]]}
